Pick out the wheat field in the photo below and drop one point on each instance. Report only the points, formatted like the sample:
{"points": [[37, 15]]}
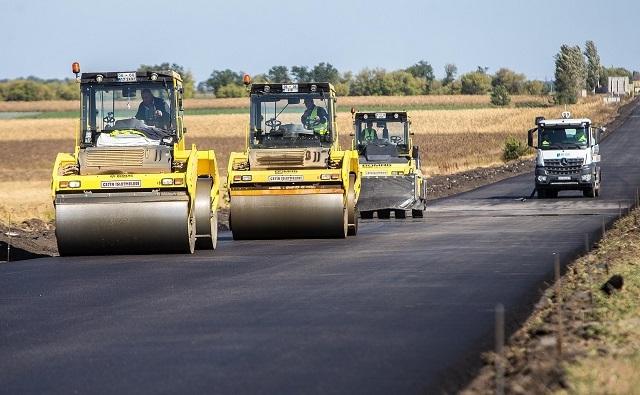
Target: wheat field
{"points": [[450, 141]]}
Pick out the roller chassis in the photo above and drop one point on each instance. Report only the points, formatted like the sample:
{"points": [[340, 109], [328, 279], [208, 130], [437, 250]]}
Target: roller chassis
{"points": [[291, 182], [116, 201]]}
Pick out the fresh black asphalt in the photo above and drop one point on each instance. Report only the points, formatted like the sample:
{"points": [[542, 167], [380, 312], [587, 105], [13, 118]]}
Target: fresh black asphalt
{"points": [[404, 307]]}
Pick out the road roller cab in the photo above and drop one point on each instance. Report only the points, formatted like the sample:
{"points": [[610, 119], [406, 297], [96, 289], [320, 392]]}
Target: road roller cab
{"points": [[293, 180], [392, 180], [131, 185]]}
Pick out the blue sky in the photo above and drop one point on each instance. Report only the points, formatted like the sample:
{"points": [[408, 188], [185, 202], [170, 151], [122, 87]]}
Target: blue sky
{"points": [[42, 38]]}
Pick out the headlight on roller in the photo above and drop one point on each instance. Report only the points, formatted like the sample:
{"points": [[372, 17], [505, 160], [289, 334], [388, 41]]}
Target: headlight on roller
{"points": [[397, 173]]}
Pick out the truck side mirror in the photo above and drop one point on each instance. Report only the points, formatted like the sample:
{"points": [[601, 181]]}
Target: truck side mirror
{"points": [[530, 137]]}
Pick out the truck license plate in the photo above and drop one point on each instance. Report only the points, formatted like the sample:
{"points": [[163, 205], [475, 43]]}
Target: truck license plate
{"points": [[564, 178]]}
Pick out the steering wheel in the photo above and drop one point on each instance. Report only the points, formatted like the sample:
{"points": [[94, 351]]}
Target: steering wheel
{"points": [[273, 123], [109, 119], [396, 139]]}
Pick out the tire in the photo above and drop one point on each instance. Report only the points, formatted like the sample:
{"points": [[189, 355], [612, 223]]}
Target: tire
{"points": [[206, 228], [590, 193], [400, 214], [417, 213], [542, 194], [552, 194], [384, 214], [352, 207], [366, 214]]}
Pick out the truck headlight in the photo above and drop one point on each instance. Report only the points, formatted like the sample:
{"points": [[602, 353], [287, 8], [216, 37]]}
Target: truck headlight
{"points": [[242, 178], [586, 177], [397, 173], [167, 181], [542, 178]]}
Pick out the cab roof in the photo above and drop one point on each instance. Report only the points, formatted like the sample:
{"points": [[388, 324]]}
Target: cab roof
{"points": [[398, 116], [564, 122], [299, 87], [141, 76]]}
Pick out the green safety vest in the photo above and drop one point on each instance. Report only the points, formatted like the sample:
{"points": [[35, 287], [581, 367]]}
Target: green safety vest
{"points": [[320, 128], [370, 134]]}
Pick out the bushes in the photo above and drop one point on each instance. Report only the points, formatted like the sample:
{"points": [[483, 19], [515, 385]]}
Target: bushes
{"points": [[500, 96], [231, 90], [513, 149], [475, 83]]}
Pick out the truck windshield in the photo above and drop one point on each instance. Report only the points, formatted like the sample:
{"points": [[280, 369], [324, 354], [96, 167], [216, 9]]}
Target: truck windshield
{"points": [[382, 131], [563, 138], [144, 108], [291, 120]]}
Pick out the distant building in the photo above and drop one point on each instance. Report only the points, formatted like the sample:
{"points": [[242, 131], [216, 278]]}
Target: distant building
{"points": [[619, 86]]}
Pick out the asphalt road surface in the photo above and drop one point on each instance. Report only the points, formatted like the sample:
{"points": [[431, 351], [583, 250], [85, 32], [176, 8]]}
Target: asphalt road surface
{"points": [[404, 307]]}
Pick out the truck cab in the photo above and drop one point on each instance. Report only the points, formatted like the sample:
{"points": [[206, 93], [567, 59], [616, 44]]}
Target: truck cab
{"points": [[567, 155]]}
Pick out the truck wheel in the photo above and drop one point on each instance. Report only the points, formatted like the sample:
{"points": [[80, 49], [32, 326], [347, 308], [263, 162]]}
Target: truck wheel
{"points": [[552, 194], [384, 214], [590, 193], [416, 213], [542, 194], [400, 214], [366, 214]]}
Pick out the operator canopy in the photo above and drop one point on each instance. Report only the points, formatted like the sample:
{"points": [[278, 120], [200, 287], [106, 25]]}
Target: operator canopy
{"points": [[382, 136], [128, 113], [290, 119]]}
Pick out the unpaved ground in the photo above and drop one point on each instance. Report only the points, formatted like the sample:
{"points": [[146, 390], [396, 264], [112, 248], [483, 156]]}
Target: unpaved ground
{"points": [[582, 327]]}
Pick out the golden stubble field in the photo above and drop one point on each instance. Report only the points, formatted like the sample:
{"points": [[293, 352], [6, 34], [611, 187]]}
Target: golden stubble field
{"points": [[450, 141]]}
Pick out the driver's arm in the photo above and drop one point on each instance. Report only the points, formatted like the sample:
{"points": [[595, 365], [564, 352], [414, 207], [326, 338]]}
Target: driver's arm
{"points": [[140, 113]]}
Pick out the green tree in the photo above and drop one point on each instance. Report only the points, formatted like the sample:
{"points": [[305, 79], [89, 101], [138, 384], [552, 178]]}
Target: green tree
{"points": [[278, 74], [475, 83], [368, 82], [450, 71], [500, 96], [424, 71], [325, 72], [188, 83], [301, 73], [593, 66], [402, 83], [512, 81], [570, 75], [220, 78]]}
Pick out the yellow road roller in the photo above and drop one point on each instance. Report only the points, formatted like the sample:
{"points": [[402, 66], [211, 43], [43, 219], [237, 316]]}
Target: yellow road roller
{"points": [[391, 177], [293, 180], [131, 185]]}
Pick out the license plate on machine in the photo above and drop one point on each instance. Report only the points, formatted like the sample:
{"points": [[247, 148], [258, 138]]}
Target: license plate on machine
{"points": [[127, 77], [564, 178], [121, 184], [286, 178]]}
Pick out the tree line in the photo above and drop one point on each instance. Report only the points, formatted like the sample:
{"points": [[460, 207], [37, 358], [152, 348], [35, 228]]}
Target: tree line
{"points": [[575, 70]]}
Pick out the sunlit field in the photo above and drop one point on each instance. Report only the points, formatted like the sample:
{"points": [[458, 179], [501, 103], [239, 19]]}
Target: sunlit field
{"points": [[450, 140]]}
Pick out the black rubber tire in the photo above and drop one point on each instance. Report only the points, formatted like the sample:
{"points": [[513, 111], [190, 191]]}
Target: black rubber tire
{"points": [[589, 193], [352, 207], [366, 214], [384, 214], [400, 214], [417, 213]]}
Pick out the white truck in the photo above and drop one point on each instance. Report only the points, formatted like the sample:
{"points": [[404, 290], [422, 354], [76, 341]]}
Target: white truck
{"points": [[568, 156]]}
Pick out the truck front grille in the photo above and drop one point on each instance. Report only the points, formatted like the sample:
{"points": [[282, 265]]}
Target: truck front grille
{"points": [[280, 158], [563, 166], [115, 158]]}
